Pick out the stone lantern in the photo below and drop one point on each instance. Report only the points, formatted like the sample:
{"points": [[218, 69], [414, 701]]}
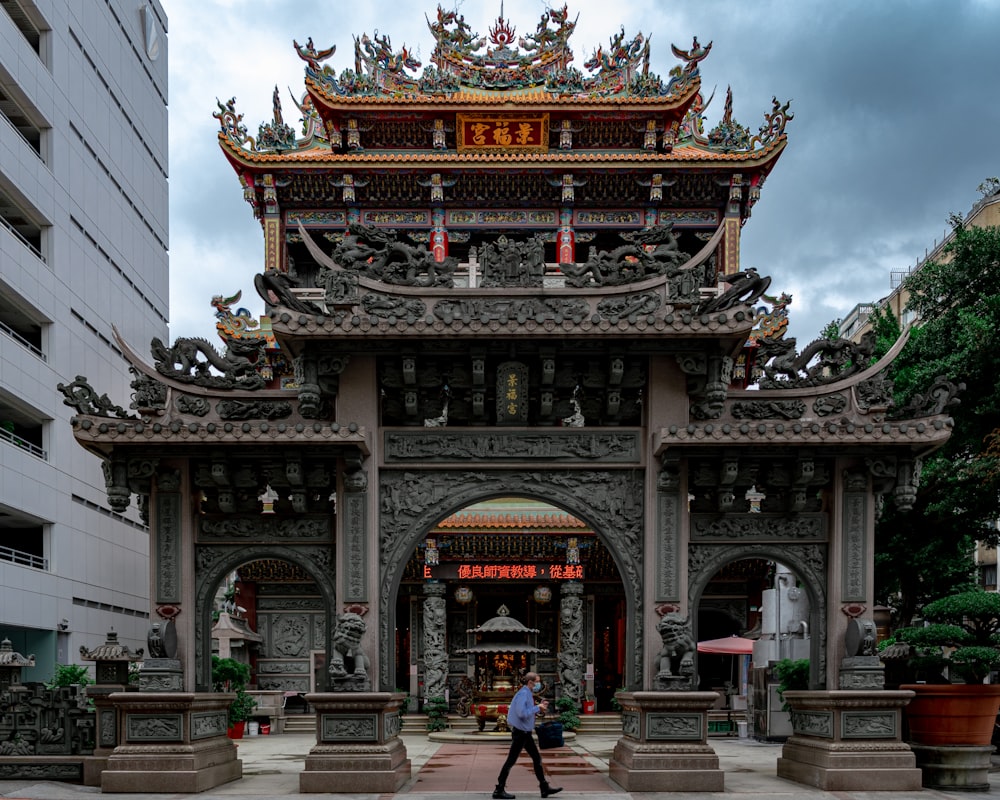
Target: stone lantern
{"points": [[111, 671], [11, 664], [112, 661]]}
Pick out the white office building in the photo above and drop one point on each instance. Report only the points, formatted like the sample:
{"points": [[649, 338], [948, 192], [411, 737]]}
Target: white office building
{"points": [[83, 244]]}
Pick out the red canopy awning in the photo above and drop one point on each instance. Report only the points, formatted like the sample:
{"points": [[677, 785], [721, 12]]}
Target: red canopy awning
{"points": [[729, 645]]}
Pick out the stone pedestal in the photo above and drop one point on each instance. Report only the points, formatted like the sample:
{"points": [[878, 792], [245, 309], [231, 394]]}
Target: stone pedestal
{"points": [[171, 743], [106, 733], [848, 741], [954, 768], [665, 743], [358, 749]]}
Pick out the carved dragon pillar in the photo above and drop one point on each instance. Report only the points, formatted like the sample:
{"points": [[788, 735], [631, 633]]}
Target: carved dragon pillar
{"points": [[571, 640], [435, 648]]}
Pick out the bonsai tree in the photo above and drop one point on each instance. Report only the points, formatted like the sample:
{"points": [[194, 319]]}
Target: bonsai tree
{"points": [[969, 622]]}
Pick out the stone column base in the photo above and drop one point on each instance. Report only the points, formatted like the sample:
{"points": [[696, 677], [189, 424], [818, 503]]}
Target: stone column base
{"points": [[172, 742], [836, 767], [954, 767], [665, 743], [360, 769], [848, 741], [358, 748]]}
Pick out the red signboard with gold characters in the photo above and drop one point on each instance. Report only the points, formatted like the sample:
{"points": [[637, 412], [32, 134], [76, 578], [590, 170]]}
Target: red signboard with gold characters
{"points": [[503, 132]]}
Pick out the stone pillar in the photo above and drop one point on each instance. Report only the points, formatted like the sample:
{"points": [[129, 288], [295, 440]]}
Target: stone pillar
{"points": [[358, 749], [106, 735], [664, 747], [435, 638], [848, 741], [171, 743], [571, 640]]}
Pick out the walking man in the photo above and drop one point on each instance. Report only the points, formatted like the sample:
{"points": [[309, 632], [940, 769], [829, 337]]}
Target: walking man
{"points": [[521, 720]]}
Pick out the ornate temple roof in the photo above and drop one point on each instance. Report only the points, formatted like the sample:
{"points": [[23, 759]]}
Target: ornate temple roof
{"points": [[528, 73]]}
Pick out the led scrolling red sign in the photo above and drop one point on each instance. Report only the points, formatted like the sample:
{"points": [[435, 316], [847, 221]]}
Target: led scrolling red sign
{"points": [[505, 572]]}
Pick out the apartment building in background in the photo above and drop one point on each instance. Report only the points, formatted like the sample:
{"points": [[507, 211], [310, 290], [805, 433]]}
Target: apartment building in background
{"points": [[83, 243]]}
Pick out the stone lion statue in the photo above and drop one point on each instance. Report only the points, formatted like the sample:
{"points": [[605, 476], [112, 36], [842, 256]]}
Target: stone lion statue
{"points": [[347, 644], [676, 657]]}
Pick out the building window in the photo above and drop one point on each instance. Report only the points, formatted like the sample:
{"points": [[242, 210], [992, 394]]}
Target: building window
{"points": [[22, 539], [988, 576]]}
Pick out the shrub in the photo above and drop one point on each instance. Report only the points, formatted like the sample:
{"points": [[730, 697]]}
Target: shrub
{"points": [[436, 709]]}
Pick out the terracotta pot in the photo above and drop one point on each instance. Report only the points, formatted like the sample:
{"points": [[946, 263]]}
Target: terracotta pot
{"points": [[952, 714], [236, 730]]}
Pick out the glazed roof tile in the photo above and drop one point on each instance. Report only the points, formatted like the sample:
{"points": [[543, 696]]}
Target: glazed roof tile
{"points": [[680, 154], [505, 98], [484, 519]]}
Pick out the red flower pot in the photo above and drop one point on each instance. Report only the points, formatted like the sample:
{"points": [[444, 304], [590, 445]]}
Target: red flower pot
{"points": [[952, 714], [236, 730]]}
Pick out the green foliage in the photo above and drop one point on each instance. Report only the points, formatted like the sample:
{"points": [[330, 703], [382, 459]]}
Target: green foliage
{"points": [[242, 707], [969, 622], [568, 715], [229, 675], [793, 675], [831, 330], [436, 709], [615, 705], [69, 675], [928, 552]]}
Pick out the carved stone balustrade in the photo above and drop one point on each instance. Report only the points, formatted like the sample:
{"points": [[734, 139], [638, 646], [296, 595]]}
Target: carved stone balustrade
{"points": [[849, 741]]}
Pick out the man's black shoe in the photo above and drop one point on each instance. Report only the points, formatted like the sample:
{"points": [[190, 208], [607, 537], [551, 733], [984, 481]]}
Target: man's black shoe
{"points": [[549, 790], [500, 794]]}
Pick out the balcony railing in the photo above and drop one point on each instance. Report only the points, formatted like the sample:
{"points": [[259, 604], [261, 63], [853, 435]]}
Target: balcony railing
{"points": [[17, 235], [6, 329], [22, 558], [17, 441]]}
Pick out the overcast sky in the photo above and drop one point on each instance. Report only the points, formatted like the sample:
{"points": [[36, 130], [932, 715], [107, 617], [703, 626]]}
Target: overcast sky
{"points": [[896, 104]]}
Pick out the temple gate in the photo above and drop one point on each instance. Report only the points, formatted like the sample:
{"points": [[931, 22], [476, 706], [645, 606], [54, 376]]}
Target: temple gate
{"points": [[437, 337]]}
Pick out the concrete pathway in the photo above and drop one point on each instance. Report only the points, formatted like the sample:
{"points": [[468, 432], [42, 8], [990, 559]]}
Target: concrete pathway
{"points": [[271, 767]]}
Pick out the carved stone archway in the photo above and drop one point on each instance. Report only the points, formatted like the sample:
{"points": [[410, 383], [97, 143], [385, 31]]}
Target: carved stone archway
{"points": [[213, 563], [807, 561], [411, 503]]}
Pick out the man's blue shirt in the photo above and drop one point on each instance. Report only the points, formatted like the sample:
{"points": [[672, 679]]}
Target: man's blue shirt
{"points": [[522, 711]]}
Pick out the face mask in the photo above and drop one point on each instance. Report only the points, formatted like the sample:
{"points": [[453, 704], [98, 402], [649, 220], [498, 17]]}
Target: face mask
{"points": [[536, 688]]}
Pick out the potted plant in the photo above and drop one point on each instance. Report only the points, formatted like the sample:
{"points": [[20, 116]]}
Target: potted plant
{"points": [[566, 706], [240, 710], [230, 675], [955, 653], [436, 709], [792, 675]]}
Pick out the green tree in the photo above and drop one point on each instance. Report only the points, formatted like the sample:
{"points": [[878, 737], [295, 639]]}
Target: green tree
{"points": [[928, 552], [831, 330]]}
